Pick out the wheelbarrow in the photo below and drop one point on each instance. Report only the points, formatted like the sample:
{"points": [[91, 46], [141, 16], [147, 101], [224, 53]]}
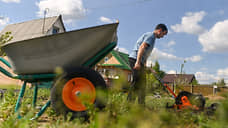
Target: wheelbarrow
{"points": [[34, 61]]}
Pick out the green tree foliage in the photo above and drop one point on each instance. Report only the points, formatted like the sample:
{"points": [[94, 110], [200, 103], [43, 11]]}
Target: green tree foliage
{"points": [[213, 83], [153, 84], [159, 72], [195, 82], [221, 82], [3, 39]]}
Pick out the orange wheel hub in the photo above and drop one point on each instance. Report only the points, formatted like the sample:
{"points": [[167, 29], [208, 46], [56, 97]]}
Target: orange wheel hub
{"points": [[77, 92]]}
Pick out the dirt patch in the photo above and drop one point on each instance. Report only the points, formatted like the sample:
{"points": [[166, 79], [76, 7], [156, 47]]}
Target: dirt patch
{"points": [[216, 97]]}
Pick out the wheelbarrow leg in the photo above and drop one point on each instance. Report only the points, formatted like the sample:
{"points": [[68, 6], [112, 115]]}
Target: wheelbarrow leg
{"points": [[35, 95], [21, 94], [42, 110]]}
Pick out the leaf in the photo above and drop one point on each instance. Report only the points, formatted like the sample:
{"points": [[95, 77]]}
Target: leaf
{"points": [[4, 39]]}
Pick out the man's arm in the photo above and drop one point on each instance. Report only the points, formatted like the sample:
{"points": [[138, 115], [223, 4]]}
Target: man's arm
{"points": [[141, 50]]}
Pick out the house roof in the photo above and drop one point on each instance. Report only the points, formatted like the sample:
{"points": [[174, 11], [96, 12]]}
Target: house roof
{"points": [[30, 29], [171, 78], [122, 58]]}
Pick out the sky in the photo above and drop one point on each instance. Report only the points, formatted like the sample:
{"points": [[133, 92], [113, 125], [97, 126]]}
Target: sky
{"points": [[197, 37]]}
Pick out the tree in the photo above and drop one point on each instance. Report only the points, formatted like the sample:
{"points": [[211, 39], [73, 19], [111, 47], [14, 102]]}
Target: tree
{"points": [[221, 82], [3, 39], [213, 83], [159, 72], [152, 81], [195, 82]]}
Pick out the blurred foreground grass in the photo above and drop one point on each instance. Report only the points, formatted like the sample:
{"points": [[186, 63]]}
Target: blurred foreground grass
{"points": [[117, 114], [10, 86]]}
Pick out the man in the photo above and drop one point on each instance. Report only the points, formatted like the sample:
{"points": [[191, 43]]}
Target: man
{"points": [[138, 58]]}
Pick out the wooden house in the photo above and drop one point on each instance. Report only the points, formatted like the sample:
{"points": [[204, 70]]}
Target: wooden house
{"points": [[178, 78], [28, 30], [114, 65]]}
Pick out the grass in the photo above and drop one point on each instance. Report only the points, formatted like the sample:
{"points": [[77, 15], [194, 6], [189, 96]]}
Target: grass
{"points": [[10, 86], [117, 114]]}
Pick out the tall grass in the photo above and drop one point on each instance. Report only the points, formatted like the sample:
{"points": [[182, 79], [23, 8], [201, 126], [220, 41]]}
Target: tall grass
{"points": [[117, 114]]}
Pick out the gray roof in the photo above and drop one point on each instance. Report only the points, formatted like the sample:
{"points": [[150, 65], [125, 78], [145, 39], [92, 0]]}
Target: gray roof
{"points": [[171, 78], [30, 29]]}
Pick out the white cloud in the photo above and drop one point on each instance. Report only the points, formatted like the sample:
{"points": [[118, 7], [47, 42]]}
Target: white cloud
{"points": [[171, 43], [11, 1], [189, 23], [4, 21], [205, 78], [169, 46], [223, 73], [124, 50], [171, 72], [216, 39], [195, 58], [157, 54], [71, 10], [106, 20]]}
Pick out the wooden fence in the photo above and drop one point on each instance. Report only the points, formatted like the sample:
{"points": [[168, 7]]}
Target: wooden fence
{"points": [[200, 89]]}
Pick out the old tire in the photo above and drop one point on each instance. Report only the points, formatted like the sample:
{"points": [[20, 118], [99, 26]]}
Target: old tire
{"points": [[75, 89]]}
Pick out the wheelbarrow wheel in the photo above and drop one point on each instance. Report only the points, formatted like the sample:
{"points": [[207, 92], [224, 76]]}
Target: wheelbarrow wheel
{"points": [[78, 89]]}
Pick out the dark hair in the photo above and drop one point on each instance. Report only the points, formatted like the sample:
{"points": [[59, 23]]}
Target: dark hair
{"points": [[162, 26]]}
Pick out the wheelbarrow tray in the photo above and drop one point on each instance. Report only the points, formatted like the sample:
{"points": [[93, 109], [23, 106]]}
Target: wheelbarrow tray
{"points": [[69, 49]]}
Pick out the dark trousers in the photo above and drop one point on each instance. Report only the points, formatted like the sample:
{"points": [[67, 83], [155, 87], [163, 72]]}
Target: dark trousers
{"points": [[138, 87]]}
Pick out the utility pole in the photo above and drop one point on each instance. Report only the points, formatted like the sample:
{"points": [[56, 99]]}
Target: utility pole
{"points": [[182, 67]]}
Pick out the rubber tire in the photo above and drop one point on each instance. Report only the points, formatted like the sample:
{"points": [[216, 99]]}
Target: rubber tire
{"points": [[56, 91]]}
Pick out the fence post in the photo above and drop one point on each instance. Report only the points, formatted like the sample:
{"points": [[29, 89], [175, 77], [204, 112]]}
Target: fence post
{"points": [[191, 88], [214, 89]]}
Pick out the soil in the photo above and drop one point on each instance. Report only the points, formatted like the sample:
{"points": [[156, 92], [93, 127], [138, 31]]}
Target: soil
{"points": [[216, 97]]}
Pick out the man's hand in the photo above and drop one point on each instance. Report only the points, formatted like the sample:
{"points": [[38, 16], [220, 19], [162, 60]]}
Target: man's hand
{"points": [[137, 66], [142, 48]]}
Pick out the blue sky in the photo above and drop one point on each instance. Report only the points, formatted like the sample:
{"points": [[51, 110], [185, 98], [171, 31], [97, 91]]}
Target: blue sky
{"points": [[197, 28]]}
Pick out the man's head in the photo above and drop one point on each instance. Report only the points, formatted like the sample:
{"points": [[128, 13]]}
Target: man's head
{"points": [[160, 30]]}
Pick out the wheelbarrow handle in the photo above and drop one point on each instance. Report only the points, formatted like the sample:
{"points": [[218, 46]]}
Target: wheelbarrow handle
{"points": [[4, 61]]}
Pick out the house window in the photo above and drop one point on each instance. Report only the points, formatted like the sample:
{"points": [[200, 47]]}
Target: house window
{"points": [[130, 77], [55, 30], [105, 59]]}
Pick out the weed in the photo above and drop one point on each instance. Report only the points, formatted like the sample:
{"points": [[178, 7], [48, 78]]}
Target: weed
{"points": [[117, 113]]}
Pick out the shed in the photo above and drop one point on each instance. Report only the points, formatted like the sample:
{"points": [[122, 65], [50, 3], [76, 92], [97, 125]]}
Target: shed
{"points": [[174, 78]]}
